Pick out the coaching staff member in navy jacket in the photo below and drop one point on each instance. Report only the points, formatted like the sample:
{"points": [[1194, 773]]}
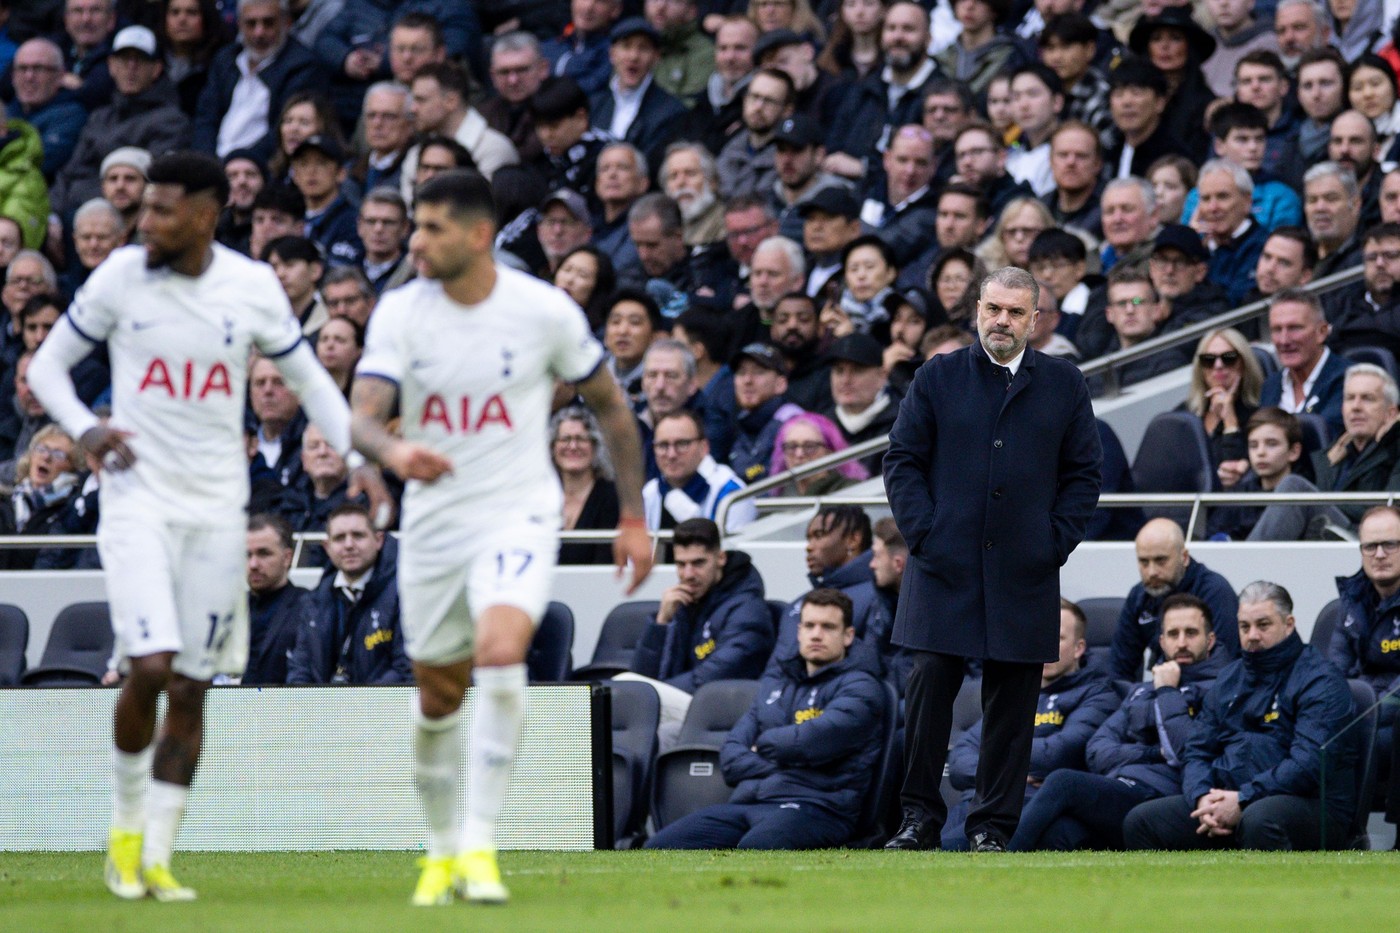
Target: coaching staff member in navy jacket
{"points": [[800, 759], [993, 470]]}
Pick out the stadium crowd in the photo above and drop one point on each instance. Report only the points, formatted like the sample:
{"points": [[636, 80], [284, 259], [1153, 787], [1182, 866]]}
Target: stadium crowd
{"points": [[772, 213]]}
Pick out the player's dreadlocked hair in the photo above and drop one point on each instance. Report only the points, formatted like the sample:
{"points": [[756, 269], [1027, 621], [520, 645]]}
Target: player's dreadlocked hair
{"points": [[845, 519]]}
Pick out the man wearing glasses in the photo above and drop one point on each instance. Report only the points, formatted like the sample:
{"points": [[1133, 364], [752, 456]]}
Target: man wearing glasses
{"points": [[1364, 313], [747, 163], [1178, 267], [1366, 645], [691, 484], [43, 102]]}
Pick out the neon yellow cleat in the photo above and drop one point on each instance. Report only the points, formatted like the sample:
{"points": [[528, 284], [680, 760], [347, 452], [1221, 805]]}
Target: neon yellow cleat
{"points": [[435, 886], [122, 872], [479, 878], [163, 886]]}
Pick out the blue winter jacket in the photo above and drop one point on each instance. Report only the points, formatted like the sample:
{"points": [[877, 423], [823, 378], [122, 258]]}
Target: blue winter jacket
{"points": [[364, 643], [1263, 724], [811, 740], [755, 433], [728, 634], [59, 122], [1366, 645], [1066, 715], [1140, 621], [1144, 740]]}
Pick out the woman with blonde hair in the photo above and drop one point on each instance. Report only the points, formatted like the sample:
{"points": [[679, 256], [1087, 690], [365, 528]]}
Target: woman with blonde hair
{"points": [[46, 483], [1226, 381], [1010, 243]]}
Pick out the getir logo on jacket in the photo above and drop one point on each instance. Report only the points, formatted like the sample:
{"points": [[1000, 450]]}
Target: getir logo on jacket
{"points": [[803, 715], [1050, 718], [468, 419], [185, 380]]}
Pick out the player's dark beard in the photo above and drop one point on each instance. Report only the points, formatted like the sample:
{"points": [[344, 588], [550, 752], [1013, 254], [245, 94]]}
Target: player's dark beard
{"points": [[157, 258]]}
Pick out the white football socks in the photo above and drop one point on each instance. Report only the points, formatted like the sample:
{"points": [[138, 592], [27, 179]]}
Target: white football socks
{"points": [[495, 731], [437, 747], [129, 772], [166, 809]]}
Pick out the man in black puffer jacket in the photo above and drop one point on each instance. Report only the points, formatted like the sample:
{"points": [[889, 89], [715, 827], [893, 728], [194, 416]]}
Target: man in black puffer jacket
{"points": [[801, 758], [712, 625]]}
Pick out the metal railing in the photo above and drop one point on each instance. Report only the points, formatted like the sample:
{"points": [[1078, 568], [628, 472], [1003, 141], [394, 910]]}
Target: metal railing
{"points": [[1108, 366], [1198, 502]]}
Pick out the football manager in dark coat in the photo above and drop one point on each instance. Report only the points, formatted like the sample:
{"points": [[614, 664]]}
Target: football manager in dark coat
{"points": [[992, 473]]}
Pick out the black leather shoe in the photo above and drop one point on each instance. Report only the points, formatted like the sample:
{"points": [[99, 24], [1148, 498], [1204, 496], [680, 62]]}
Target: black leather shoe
{"points": [[914, 833], [986, 842]]}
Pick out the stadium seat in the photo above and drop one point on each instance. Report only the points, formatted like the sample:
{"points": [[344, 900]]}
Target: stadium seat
{"points": [[688, 776], [78, 648], [1101, 619], [967, 708], [551, 650], [1378, 356], [1316, 434], [777, 609], [14, 641], [636, 711], [621, 631], [1321, 635], [1268, 363], [1173, 457], [1364, 708], [868, 832]]}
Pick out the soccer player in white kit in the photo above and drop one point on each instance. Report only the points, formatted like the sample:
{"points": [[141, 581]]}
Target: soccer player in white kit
{"points": [[472, 351], [180, 317]]}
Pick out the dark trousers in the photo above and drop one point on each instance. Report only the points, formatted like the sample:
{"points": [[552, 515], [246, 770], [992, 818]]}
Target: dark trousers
{"points": [[1387, 765], [1278, 823], [754, 826], [1010, 692], [1077, 810]]}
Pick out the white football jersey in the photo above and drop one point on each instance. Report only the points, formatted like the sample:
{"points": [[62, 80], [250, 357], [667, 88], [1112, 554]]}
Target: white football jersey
{"points": [[179, 349], [476, 383]]}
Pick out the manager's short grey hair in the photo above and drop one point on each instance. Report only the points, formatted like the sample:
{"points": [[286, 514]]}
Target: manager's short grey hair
{"points": [[1388, 386], [1262, 591], [1013, 277], [788, 248], [1141, 185], [1333, 170], [1237, 172]]}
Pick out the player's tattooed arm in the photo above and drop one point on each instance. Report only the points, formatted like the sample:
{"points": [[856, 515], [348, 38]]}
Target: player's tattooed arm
{"points": [[371, 403], [619, 428]]}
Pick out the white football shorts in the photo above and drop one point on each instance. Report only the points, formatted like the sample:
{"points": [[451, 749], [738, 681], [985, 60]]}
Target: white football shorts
{"points": [[177, 588], [508, 563]]}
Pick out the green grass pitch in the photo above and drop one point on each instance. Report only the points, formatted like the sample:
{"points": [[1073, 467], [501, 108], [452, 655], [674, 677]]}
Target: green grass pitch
{"points": [[691, 892]]}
